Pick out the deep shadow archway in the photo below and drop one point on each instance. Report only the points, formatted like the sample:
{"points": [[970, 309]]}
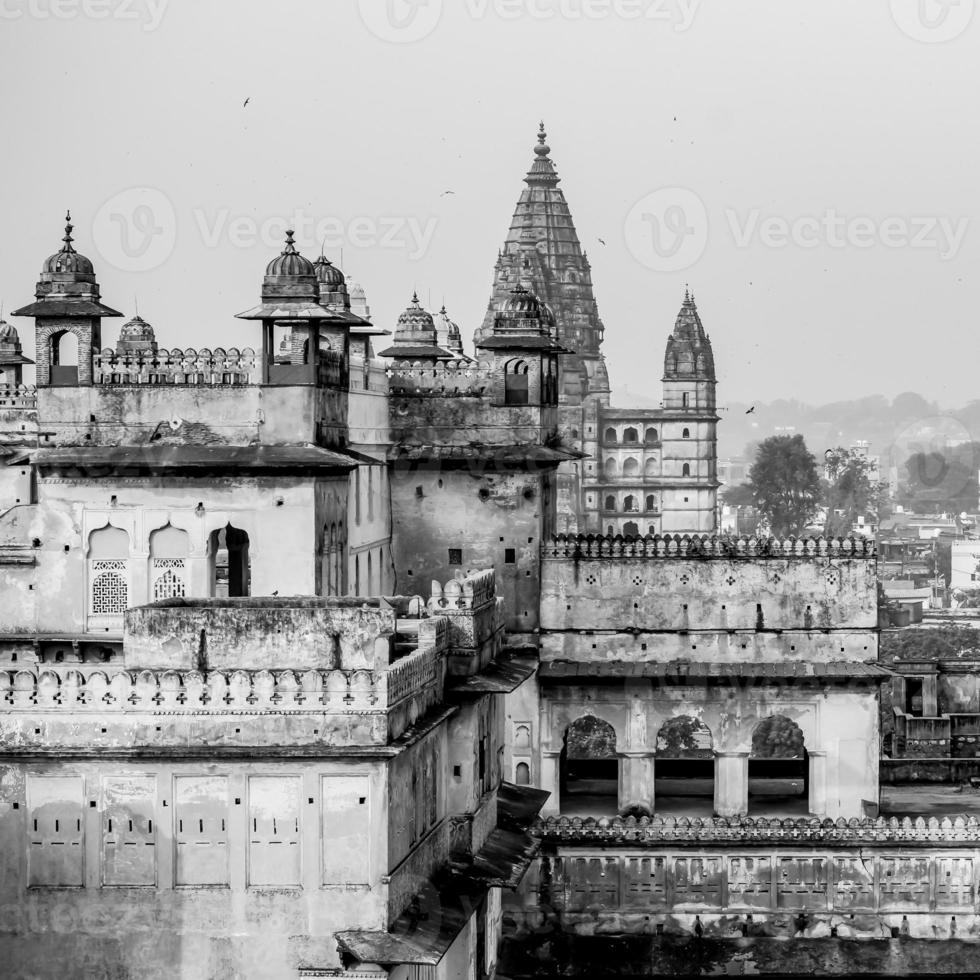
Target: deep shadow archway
{"points": [[589, 767], [778, 768]]}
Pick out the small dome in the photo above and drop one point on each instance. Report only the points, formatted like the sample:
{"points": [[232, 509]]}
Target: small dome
{"points": [[328, 274], [523, 303], [415, 318], [136, 329], [68, 260], [290, 262], [8, 333], [447, 332]]}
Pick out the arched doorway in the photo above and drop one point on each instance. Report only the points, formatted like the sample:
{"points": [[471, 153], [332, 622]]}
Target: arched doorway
{"points": [[778, 768], [231, 570], [589, 768], [684, 772]]}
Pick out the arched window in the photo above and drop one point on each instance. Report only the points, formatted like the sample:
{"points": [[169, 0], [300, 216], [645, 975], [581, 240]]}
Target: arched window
{"points": [[686, 434], [231, 570], [686, 469], [589, 765], [686, 399], [629, 503], [652, 466], [515, 383], [611, 469], [685, 766], [169, 548], [522, 774], [778, 767], [631, 530], [651, 502], [64, 358], [522, 737], [631, 435], [357, 574], [610, 502], [330, 558], [610, 435], [108, 559], [651, 436], [631, 467]]}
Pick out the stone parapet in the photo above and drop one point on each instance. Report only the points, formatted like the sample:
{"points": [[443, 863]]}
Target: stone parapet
{"points": [[407, 377], [177, 367], [596, 546], [956, 831]]}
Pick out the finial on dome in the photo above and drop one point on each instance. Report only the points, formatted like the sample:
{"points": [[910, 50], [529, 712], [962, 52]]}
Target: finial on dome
{"points": [[415, 296], [68, 230], [542, 149], [687, 293], [290, 243]]}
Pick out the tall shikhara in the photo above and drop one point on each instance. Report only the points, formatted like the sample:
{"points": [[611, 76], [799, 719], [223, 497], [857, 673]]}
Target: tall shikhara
{"points": [[542, 253]]}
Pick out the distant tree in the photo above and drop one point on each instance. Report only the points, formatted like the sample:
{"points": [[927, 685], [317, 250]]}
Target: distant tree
{"points": [[785, 485], [738, 495], [851, 491]]}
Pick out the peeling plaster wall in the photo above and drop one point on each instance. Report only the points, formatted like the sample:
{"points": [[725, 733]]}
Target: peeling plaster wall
{"points": [[711, 593], [278, 513], [480, 513], [194, 932]]}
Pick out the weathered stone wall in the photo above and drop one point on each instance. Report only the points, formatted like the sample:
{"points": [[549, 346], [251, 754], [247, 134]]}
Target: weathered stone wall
{"points": [[709, 593], [264, 901], [483, 515]]}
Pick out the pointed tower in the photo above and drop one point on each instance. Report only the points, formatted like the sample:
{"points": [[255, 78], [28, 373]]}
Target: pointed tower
{"points": [[688, 484], [542, 253], [689, 364]]}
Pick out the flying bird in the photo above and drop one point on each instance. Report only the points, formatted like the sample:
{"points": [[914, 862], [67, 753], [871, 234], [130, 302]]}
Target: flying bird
{"points": [[601, 242], [246, 102], [444, 193], [749, 411]]}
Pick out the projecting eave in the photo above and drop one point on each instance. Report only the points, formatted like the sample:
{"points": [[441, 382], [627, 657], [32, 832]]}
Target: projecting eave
{"points": [[424, 932], [407, 351], [192, 460], [530, 342], [66, 308], [293, 310], [507, 457], [700, 671], [500, 677]]}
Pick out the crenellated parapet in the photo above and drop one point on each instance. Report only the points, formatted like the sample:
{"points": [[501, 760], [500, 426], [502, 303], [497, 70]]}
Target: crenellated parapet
{"points": [[18, 396], [472, 611], [341, 691], [596, 546], [177, 367], [444, 378], [696, 831]]}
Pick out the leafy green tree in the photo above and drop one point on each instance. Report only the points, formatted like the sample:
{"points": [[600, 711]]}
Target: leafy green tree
{"points": [[851, 490], [785, 485]]}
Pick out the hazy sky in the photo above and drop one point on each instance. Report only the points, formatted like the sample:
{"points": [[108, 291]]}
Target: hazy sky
{"points": [[811, 168]]}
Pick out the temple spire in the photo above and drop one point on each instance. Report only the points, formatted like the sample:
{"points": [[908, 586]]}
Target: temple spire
{"points": [[542, 170]]}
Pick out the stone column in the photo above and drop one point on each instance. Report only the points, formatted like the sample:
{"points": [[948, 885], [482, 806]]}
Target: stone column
{"points": [[636, 774], [731, 784], [818, 784], [548, 780]]}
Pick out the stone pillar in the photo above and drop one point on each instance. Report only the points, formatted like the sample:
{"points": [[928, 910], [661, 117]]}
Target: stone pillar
{"points": [[636, 774], [731, 784], [548, 780], [818, 784], [930, 696], [139, 578]]}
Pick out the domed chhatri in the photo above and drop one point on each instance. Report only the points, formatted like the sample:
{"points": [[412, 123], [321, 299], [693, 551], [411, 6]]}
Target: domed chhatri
{"points": [[328, 274], [136, 335], [8, 333], [448, 334], [67, 261], [12, 358], [416, 319], [415, 335], [289, 263]]}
